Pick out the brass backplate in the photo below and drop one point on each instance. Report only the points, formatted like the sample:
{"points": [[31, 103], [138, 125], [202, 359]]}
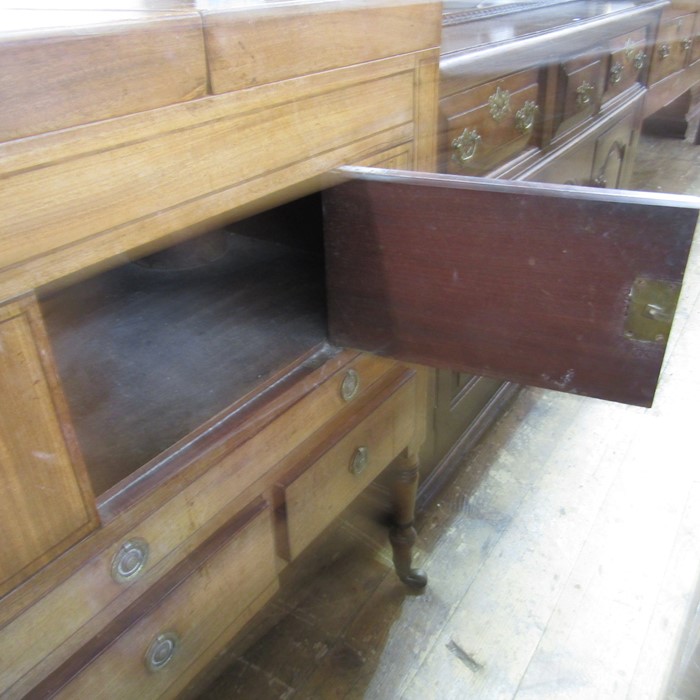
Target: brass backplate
{"points": [[652, 305]]}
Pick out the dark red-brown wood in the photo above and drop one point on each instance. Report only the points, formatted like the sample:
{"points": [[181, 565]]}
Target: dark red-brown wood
{"points": [[526, 283]]}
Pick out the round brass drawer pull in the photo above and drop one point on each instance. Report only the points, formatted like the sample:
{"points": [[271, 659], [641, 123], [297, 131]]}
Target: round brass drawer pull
{"points": [[525, 117], [465, 145], [350, 385], [687, 44], [664, 51], [161, 651], [359, 461], [130, 560]]}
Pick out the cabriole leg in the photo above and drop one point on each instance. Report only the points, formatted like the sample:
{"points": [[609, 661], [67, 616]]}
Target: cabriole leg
{"points": [[403, 534]]}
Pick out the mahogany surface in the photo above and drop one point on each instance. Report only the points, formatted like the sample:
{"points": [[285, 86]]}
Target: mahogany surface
{"points": [[500, 281]]}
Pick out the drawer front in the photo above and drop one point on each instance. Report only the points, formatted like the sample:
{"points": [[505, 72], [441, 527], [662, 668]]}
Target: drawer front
{"points": [[627, 63], [76, 607], [489, 124], [673, 48], [317, 490], [579, 90], [157, 644], [551, 308]]}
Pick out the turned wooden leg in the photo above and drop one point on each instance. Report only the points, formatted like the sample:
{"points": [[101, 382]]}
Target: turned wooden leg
{"points": [[403, 534]]}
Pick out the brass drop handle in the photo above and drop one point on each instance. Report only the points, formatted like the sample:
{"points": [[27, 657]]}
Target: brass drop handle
{"points": [[129, 561], [350, 386], [687, 44], [616, 71], [465, 145], [639, 60], [664, 51], [359, 461], [584, 94], [161, 651], [525, 117]]}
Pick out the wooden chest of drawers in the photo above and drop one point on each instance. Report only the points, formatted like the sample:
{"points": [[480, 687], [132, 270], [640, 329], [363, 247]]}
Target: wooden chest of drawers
{"points": [[179, 491]]}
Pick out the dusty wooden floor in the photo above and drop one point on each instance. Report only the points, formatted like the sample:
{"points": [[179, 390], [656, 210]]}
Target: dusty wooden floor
{"points": [[563, 560]]}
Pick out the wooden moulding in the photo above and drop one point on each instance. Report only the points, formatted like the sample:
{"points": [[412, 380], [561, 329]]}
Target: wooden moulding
{"points": [[524, 282]]}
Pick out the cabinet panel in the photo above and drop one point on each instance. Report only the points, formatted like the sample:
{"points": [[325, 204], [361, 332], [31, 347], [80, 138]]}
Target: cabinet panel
{"points": [[257, 45], [44, 484], [571, 167], [66, 67], [612, 161], [530, 283]]}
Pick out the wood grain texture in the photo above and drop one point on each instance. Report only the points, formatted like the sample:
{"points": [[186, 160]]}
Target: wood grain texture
{"points": [[529, 288], [248, 47], [63, 69], [185, 167], [44, 484]]}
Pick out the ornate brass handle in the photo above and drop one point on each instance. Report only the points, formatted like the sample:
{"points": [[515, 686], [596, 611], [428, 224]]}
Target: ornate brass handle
{"points": [[687, 44], [525, 117], [664, 51], [161, 650], [584, 94], [639, 60], [499, 104], [130, 560], [350, 385], [359, 461], [616, 71], [465, 145]]}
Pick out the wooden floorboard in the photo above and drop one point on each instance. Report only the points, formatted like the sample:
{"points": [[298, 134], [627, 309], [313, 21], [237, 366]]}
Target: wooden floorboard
{"points": [[565, 569]]}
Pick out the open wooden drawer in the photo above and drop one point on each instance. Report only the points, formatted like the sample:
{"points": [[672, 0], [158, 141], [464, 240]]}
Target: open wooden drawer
{"points": [[566, 288]]}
